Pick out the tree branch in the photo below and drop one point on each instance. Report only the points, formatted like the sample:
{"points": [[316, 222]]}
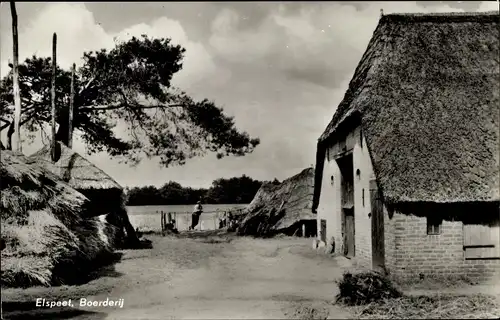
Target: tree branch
{"points": [[118, 106], [87, 85], [4, 126]]}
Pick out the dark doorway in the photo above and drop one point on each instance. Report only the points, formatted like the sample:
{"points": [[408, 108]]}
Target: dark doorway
{"points": [[377, 216], [323, 230], [347, 202], [349, 233]]}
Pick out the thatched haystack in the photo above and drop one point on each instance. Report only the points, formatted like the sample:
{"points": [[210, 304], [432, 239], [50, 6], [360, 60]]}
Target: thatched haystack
{"points": [[106, 195], [47, 239], [281, 208]]}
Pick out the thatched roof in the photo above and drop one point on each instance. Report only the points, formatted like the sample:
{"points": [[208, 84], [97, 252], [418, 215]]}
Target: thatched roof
{"points": [[279, 206], [25, 186], [426, 94], [80, 173], [43, 225]]}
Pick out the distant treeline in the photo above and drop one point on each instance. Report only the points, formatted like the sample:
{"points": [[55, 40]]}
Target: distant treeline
{"points": [[235, 190]]}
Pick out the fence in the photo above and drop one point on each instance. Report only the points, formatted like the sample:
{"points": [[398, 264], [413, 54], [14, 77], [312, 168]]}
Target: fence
{"points": [[181, 221]]}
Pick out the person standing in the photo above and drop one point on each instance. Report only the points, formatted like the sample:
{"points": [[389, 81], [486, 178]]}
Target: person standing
{"points": [[195, 217]]}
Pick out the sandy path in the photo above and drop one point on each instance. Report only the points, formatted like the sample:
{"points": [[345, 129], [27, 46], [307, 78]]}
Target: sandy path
{"points": [[249, 279], [189, 279]]}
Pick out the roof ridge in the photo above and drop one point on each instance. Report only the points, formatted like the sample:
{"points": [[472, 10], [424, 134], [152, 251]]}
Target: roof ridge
{"points": [[455, 16]]}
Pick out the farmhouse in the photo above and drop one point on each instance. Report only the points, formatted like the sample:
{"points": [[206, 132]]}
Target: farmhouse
{"points": [[407, 174]]}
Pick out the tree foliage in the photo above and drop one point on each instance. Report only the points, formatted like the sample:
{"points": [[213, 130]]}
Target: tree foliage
{"points": [[235, 190], [129, 86]]}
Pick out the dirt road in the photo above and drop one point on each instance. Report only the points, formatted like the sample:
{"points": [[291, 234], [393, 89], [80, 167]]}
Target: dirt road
{"points": [[204, 278]]}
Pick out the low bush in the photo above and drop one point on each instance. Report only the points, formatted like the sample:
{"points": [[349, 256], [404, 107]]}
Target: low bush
{"points": [[365, 287]]}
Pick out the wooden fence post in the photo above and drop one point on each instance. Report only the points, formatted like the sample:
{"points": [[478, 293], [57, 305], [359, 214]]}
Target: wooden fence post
{"points": [[71, 107], [15, 80], [162, 223], [53, 97]]}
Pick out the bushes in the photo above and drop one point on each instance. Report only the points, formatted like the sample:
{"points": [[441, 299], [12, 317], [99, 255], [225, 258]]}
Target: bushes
{"points": [[365, 287]]}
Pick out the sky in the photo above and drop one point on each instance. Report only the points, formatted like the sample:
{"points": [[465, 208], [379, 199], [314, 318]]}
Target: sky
{"points": [[279, 68]]}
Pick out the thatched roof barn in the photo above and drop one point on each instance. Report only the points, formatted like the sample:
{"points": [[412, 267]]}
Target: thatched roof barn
{"points": [[43, 229], [78, 172], [106, 195], [423, 92], [280, 207], [408, 170]]}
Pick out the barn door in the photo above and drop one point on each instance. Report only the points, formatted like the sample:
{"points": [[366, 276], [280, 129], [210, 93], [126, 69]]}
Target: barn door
{"points": [[377, 216], [323, 230], [349, 246]]}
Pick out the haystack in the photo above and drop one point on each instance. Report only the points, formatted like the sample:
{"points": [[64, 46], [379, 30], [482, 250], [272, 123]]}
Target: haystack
{"points": [[43, 228], [281, 208], [106, 195]]}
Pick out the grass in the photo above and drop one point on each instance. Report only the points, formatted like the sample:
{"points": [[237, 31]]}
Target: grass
{"points": [[432, 307], [307, 311], [370, 295], [433, 283]]}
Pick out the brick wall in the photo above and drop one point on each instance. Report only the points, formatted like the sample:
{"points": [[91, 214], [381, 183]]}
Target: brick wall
{"points": [[389, 241], [409, 251], [415, 252]]}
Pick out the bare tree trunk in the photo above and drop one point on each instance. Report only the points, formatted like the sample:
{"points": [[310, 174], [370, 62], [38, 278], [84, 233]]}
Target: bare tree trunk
{"points": [[71, 105], [15, 80], [53, 97]]}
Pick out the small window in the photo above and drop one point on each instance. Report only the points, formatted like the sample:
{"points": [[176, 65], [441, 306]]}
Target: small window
{"points": [[363, 196], [434, 225], [358, 173], [331, 180]]}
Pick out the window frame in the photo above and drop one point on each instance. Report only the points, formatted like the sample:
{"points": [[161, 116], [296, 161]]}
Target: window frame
{"points": [[434, 226]]}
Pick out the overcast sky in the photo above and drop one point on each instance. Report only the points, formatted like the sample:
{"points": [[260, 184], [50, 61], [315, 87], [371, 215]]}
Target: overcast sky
{"points": [[280, 69]]}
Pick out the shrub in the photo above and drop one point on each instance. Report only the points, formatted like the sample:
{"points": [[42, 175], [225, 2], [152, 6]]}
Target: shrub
{"points": [[365, 287]]}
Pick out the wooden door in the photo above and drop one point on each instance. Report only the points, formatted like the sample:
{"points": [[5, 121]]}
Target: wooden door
{"points": [[481, 241], [323, 230], [377, 217], [349, 244]]}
